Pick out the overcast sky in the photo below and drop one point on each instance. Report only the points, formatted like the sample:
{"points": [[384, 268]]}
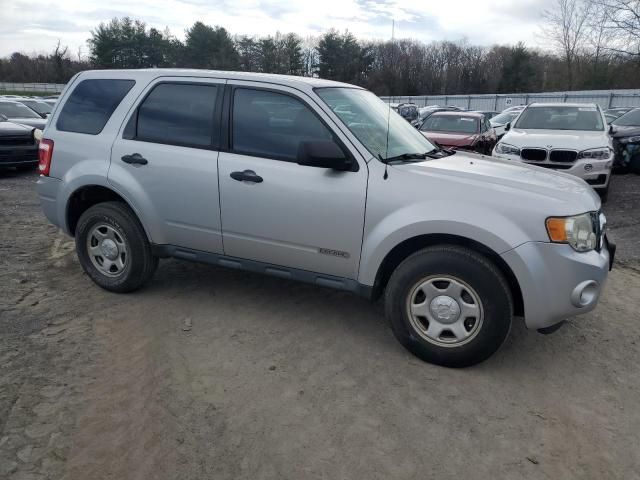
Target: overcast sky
{"points": [[36, 25]]}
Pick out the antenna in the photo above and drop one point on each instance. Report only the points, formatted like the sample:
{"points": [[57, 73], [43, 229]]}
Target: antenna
{"points": [[386, 148]]}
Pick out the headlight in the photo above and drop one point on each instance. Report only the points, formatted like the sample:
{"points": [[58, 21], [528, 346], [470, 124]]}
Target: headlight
{"points": [[630, 140], [596, 153], [37, 134], [507, 149], [577, 231]]}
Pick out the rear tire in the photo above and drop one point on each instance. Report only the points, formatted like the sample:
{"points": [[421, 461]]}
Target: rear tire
{"points": [[423, 318], [113, 248]]}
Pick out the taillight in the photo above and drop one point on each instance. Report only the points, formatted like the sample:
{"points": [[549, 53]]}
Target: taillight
{"points": [[45, 152]]}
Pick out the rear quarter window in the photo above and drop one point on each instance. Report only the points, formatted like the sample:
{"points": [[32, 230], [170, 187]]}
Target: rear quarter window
{"points": [[91, 104]]}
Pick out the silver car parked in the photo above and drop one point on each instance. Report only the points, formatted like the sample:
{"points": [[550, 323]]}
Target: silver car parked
{"points": [[318, 181]]}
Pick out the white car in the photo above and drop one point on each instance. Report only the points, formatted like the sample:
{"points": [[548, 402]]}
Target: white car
{"points": [[500, 122], [515, 108], [572, 138]]}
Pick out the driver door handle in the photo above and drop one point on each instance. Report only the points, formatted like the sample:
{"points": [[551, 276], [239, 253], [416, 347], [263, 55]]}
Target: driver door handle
{"points": [[246, 176]]}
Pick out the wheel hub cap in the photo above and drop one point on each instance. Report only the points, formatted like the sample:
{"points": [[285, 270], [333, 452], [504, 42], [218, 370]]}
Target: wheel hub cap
{"points": [[445, 309], [109, 249]]}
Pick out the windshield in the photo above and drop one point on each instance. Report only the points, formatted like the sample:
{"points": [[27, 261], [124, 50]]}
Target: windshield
{"points": [[17, 110], [39, 107], [503, 118], [585, 118], [629, 119], [367, 119], [450, 123]]}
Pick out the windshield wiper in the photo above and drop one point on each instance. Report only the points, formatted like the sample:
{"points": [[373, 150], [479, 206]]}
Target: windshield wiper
{"points": [[403, 157], [437, 152]]}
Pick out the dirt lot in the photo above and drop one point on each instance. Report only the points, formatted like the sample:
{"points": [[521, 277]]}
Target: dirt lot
{"points": [[210, 373]]}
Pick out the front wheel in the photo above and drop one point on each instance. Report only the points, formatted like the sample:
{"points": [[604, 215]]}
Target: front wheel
{"points": [[449, 305], [113, 248]]}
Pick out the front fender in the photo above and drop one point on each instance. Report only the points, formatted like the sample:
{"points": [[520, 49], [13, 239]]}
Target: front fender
{"points": [[489, 228]]}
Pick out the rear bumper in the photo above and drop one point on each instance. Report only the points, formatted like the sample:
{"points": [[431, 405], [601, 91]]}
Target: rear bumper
{"points": [[556, 281], [48, 189]]}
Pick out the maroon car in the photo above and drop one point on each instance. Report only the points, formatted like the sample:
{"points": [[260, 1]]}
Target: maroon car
{"points": [[460, 130]]}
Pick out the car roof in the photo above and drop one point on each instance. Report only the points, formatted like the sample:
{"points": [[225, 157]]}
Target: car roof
{"points": [[149, 74], [561, 104], [454, 113]]}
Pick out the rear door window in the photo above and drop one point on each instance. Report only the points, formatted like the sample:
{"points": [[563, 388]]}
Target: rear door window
{"points": [[91, 104], [177, 114]]}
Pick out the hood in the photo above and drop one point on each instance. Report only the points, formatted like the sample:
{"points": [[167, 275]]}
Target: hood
{"points": [[548, 139], [518, 179], [450, 139], [13, 129], [622, 132], [31, 122]]}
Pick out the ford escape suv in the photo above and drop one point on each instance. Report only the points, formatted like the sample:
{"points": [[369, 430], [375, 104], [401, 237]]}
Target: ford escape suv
{"points": [[318, 181]]}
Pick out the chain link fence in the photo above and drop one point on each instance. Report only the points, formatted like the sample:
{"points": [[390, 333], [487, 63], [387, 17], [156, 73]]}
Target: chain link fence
{"points": [[28, 88], [604, 98], [498, 102]]}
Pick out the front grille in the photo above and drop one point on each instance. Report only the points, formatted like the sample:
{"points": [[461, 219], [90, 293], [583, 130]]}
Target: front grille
{"points": [[566, 156], [555, 166], [17, 140], [599, 223], [8, 155], [533, 154]]}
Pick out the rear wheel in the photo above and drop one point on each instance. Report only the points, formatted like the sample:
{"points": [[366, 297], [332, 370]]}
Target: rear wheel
{"points": [[113, 248], [449, 305]]}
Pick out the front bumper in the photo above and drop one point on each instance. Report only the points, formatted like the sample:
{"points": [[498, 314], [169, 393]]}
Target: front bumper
{"points": [[18, 155], [596, 173], [556, 281]]}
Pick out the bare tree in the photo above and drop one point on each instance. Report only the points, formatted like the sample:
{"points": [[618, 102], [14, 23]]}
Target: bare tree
{"points": [[622, 20], [566, 27]]}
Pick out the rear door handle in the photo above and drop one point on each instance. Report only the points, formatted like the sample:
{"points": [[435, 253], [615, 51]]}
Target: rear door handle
{"points": [[134, 159], [246, 176]]}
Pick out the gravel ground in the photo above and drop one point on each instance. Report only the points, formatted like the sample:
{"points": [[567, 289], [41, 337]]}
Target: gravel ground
{"points": [[212, 373]]}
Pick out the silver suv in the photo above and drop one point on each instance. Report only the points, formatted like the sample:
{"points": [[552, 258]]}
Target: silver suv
{"points": [[318, 181]]}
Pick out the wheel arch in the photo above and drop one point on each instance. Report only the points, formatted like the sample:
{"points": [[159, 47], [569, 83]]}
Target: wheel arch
{"points": [[411, 245], [86, 197]]}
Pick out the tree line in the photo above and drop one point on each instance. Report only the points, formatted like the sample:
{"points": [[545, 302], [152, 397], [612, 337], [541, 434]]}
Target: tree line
{"points": [[596, 45]]}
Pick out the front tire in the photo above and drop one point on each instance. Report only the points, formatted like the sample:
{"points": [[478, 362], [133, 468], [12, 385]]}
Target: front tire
{"points": [[449, 305], [113, 248]]}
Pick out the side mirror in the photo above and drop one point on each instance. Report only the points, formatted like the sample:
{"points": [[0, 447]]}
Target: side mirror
{"points": [[612, 129], [3, 118], [325, 154], [507, 127]]}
